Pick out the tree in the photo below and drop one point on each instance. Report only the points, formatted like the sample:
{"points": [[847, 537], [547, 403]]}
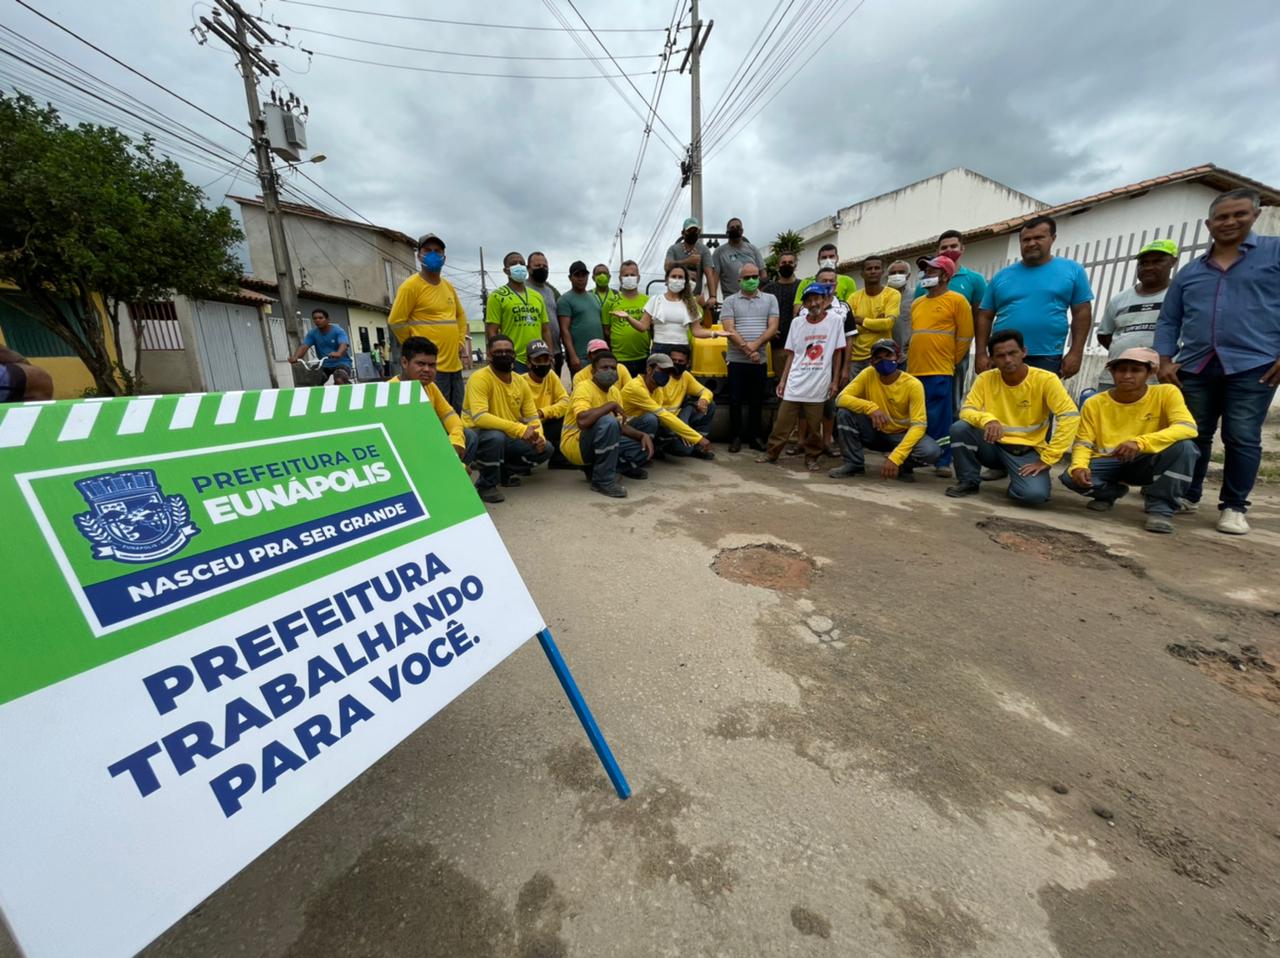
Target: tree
{"points": [[788, 241], [91, 220]]}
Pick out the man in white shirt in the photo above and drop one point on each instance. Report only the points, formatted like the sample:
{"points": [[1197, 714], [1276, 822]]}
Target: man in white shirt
{"points": [[1129, 321]]}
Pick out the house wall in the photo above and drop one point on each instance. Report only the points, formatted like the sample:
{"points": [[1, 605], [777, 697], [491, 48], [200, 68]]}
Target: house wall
{"points": [[168, 370], [70, 376]]}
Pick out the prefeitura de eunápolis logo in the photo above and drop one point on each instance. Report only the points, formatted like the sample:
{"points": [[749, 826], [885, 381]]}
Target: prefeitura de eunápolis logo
{"points": [[130, 519]]}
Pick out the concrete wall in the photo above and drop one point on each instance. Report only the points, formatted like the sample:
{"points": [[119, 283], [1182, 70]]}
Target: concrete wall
{"points": [[168, 370], [337, 259]]}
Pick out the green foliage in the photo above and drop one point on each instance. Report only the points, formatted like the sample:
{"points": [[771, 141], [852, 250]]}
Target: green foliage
{"points": [[788, 241], [84, 210]]}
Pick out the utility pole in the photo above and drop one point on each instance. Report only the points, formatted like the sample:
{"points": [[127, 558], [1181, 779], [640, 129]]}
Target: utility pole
{"points": [[691, 168], [252, 62], [484, 285]]}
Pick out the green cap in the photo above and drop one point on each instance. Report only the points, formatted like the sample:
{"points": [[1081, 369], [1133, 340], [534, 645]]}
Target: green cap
{"points": [[691, 221], [1167, 246]]}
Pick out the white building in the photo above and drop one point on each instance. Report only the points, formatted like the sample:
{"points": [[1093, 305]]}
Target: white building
{"points": [[957, 199]]}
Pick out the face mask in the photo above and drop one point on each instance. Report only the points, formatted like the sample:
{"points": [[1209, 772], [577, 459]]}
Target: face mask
{"points": [[540, 274], [602, 280], [503, 364], [886, 366], [828, 263], [519, 273], [786, 272], [661, 377], [433, 262], [541, 370], [929, 282], [897, 280], [604, 378], [750, 285], [675, 285], [691, 237], [630, 282], [735, 233], [678, 370]]}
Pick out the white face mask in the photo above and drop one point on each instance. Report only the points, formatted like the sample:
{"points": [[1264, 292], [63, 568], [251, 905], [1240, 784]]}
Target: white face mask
{"points": [[929, 282], [630, 282], [675, 285], [897, 280], [827, 263]]}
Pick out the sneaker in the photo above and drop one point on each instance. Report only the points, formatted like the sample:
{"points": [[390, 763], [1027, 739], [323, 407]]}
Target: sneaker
{"points": [[845, 471], [1186, 507], [993, 475], [1232, 522], [1159, 523], [491, 494], [635, 472], [612, 490], [942, 472], [962, 489], [1100, 505]]}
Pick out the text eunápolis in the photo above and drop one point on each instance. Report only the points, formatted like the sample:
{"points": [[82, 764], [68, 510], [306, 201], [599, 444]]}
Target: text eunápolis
{"points": [[238, 505], [199, 741]]}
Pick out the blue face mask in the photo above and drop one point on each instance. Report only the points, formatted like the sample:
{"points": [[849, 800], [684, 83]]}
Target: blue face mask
{"points": [[433, 262], [661, 377], [886, 366], [519, 273]]}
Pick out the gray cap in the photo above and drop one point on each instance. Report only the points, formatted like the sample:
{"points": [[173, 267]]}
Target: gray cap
{"points": [[880, 344], [661, 360], [422, 240], [537, 347]]}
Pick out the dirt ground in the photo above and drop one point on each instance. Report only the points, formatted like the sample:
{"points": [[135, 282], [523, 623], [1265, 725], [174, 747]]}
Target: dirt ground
{"points": [[859, 719]]}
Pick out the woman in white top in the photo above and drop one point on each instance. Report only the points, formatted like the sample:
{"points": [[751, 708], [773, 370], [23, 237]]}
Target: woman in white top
{"points": [[673, 312]]}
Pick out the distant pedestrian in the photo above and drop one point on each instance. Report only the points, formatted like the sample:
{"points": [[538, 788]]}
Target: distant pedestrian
{"points": [[729, 258], [784, 289], [624, 323], [579, 314], [873, 312], [1218, 337], [750, 318], [1129, 321], [539, 272], [690, 252], [1034, 297], [427, 305], [941, 331], [516, 312], [332, 346]]}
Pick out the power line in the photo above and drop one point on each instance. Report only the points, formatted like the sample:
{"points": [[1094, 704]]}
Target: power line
{"points": [[447, 53], [466, 73], [464, 23]]}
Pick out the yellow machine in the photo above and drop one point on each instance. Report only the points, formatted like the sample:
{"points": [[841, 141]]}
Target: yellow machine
{"points": [[709, 356]]}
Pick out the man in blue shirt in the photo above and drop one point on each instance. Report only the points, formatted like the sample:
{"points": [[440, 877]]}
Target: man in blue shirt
{"points": [[1218, 337], [331, 345], [1033, 297]]}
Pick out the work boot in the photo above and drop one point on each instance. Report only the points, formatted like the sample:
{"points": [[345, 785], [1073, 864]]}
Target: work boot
{"points": [[1186, 507], [962, 489], [735, 444], [511, 480], [491, 494], [1159, 523], [635, 472], [845, 471], [612, 490]]}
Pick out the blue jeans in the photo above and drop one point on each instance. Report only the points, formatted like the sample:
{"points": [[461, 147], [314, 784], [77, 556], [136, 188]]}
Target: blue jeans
{"points": [[854, 433], [452, 387], [957, 393], [972, 452], [1163, 476], [473, 442], [604, 448], [1241, 402], [1052, 364], [498, 455], [937, 402]]}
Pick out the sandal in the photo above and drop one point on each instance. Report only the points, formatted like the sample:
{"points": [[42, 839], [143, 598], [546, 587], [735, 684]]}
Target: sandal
{"points": [[772, 462], [812, 465]]}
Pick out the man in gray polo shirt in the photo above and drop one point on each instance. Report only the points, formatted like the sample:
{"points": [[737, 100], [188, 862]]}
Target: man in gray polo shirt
{"points": [[750, 319], [729, 258]]}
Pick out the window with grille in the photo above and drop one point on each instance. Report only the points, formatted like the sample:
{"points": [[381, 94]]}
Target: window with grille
{"points": [[160, 328]]}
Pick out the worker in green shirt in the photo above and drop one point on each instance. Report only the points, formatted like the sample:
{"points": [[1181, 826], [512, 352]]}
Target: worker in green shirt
{"points": [[624, 324], [516, 312]]}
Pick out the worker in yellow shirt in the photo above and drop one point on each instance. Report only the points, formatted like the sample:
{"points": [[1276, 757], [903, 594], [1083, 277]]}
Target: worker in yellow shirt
{"points": [[645, 409], [427, 305], [596, 434], [499, 407], [872, 312], [600, 346], [549, 397], [690, 401], [1134, 433], [1004, 423], [883, 409], [418, 358], [941, 334]]}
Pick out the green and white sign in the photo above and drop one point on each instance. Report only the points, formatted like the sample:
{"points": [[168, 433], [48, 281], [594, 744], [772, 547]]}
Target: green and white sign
{"points": [[220, 609]]}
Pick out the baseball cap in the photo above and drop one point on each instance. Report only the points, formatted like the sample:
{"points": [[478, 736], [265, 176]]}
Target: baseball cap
{"points": [[885, 344], [691, 221], [1166, 246], [578, 266], [944, 263], [1137, 354], [537, 347], [596, 344], [661, 360], [422, 240], [819, 288]]}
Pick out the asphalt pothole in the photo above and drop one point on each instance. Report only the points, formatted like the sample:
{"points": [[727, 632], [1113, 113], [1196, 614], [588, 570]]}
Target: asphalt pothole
{"points": [[767, 565], [1241, 668], [1040, 541]]}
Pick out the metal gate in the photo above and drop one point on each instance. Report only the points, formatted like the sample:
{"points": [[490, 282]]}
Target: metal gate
{"points": [[231, 350]]}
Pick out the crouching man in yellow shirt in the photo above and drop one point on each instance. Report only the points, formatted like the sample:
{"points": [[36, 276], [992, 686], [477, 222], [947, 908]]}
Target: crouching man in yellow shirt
{"points": [[418, 357], [650, 405], [1134, 433], [883, 409], [1004, 424], [597, 436]]}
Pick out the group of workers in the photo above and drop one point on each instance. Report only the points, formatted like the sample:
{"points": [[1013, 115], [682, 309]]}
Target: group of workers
{"points": [[869, 368]]}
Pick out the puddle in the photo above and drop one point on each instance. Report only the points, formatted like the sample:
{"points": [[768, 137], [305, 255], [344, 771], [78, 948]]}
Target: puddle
{"points": [[766, 565]]}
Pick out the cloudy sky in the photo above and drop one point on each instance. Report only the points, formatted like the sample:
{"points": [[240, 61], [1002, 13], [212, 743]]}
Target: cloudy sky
{"points": [[1054, 99]]}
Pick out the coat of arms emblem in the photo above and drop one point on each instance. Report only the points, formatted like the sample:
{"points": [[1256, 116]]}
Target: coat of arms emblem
{"points": [[130, 519]]}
